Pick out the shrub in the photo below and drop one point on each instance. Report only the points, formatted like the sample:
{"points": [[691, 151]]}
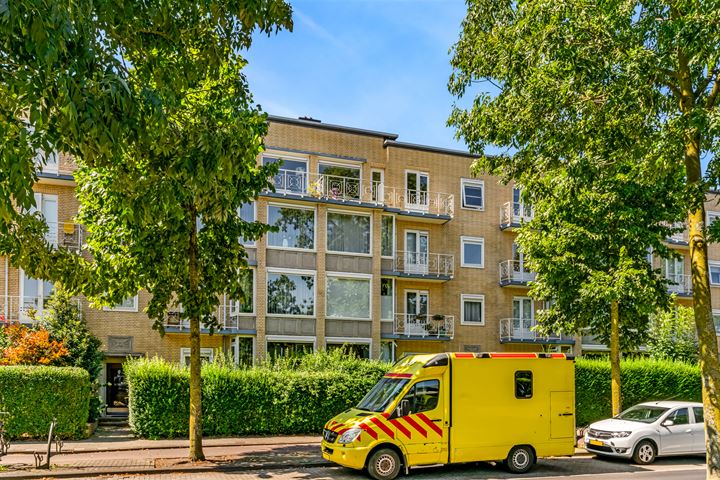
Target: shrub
{"points": [[641, 380], [33, 395], [672, 335], [27, 346]]}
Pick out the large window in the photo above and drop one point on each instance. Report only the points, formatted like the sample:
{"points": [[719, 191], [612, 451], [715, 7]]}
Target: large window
{"points": [[472, 309], [358, 350], [347, 297], [472, 252], [296, 227], [472, 194], [340, 181], [288, 349], [711, 217], [348, 233], [716, 320], [243, 351], [388, 236], [714, 273], [244, 305], [292, 177], [130, 304], [247, 214], [387, 299], [290, 294]]}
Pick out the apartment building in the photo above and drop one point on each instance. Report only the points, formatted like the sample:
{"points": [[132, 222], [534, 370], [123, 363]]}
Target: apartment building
{"points": [[383, 247]]}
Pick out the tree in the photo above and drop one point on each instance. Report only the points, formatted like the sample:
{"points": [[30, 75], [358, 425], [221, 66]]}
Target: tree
{"points": [[672, 336], [27, 346], [150, 100], [641, 77]]}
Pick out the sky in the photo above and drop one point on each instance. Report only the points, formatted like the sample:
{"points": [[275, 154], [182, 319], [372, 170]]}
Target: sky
{"points": [[373, 64]]}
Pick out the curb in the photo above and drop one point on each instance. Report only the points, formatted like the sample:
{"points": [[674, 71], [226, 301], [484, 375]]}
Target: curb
{"points": [[101, 472], [75, 451]]}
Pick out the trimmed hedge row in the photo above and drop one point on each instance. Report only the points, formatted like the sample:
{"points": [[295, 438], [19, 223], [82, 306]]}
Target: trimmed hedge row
{"points": [[299, 396], [641, 380], [33, 395]]}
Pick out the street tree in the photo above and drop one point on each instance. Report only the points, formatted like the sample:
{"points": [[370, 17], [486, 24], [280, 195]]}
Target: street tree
{"points": [[642, 75], [672, 335]]}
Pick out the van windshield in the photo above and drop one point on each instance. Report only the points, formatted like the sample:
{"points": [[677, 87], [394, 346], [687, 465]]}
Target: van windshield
{"points": [[382, 394], [642, 413]]}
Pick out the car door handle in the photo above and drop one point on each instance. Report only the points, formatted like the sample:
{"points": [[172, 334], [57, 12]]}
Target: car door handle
{"points": [[565, 414], [436, 420]]}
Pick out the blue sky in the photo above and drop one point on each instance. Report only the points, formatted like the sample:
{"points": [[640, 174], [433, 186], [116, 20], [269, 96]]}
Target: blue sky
{"points": [[375, 64]]}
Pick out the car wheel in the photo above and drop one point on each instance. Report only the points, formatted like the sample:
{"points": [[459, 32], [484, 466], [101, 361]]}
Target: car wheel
{"points": [[384, 464], [645, 453], [520, 459]]}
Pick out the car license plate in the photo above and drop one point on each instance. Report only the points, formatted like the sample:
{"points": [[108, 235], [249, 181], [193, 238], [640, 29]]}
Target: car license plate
{"points": [[596, 442]]}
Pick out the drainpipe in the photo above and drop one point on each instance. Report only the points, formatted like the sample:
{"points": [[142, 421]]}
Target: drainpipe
{"points": [[7, 279]]}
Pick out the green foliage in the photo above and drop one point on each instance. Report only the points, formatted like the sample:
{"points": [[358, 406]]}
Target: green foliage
{"points": [[672, 336], [291, 396], [33, 395], [643, 380]]}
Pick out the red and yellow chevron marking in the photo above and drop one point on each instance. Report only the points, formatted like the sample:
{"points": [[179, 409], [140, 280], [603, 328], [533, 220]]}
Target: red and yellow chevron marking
{"points": [[401, 428], [416, 426], [369, 431], [430, 423], [383, 427]]}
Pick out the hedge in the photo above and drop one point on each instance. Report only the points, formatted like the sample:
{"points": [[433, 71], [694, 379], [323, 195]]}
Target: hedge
{"points": [[300, 395], [641, 380], [33, 395]]}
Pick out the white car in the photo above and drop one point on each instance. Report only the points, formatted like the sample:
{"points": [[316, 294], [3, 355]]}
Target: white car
{"points": [[649, 430]]}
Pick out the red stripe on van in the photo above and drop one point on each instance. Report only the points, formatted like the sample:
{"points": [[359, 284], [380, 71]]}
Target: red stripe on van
{"points": [[513, 355], [401, 428], [430, 423], [416, 426], [464, 355], [383, 427], [369, 430], [557, 355], [399, 375]]}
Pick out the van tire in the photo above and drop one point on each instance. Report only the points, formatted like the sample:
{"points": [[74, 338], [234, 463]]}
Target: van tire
{"points": [[384, 464], [645, 453], [520, 459]]}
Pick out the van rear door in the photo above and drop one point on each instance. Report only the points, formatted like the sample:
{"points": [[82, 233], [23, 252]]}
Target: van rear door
{"points": [[562, 416]]}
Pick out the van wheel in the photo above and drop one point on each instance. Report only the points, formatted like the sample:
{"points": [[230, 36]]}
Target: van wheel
{"points": [[384, 464], [645, 453], [520, 459]]}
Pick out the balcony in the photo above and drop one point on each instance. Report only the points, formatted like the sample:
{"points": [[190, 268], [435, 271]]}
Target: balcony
{"points": [[419, 204], [513, 273], [681, 238], [680, 285], [229, 315], [514, 214], [522, 330], [424, 266], [26, 309], [423, 327]]}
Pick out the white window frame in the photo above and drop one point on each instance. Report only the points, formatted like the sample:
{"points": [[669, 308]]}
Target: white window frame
{"points": [[296, 207], [349, 212], [350, 341], [711, 264], [472, 297], [381, 187], [475, 183], [476, 241], [417, 292], [236, 353], [708, 215], [281, 156], [252, 243], [132, 309], [394, 303], [290, 271], [394, 237], [416, 206], [204, 352], [716, 313], [353, 276], [291, 339]]}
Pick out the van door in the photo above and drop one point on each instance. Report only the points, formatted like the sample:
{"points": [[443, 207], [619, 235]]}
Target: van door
{"points": [[423, 427], [562, 418]]}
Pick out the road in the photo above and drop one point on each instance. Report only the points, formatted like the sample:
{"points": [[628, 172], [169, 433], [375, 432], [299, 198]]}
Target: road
{"points": [[685, 468]]}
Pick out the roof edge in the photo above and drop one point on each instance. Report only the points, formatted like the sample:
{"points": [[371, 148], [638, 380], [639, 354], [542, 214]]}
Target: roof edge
{"points": [[330, 126], [428, 148]]}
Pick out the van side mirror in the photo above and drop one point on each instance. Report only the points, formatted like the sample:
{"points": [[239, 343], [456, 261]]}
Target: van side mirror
{"points": [[403, 408], [667, 423]]}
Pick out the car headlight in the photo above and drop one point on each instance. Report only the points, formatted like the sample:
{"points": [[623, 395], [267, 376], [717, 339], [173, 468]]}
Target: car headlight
{"points": [[349, 436], [621, 434]]}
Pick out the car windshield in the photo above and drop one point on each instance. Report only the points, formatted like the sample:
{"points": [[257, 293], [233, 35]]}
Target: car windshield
{"points": [[642, 413], [382, 394]]}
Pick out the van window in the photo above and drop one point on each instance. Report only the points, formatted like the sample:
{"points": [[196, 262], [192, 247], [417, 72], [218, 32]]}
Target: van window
{"points": [[699, 417], [523, 384], [423, 396]]}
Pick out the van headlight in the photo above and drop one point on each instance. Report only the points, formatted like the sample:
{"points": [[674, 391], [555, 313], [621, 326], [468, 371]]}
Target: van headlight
{"points": [[621, 434], [350, 436]]}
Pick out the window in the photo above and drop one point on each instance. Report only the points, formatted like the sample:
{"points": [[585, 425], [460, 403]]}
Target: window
{"points": [[357, 350], [247, 304], [376, 177], [388, 236], [387, 299], [523, 384], [711, 217], [347, 298], [130, 304], [242, 350], [714, 273], [206, 355], [716, 320], [423, 397], [472, 252], [296, 227], [348, 233], [680, 416], [472, 309], [290, 294], [292, 177], [699, 417], [472, 194], [47, 205], [288, 349], [340, 181], [387, 351], [247, 213]]}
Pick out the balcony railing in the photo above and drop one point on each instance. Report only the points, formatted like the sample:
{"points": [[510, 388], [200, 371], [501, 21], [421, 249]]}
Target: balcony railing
{"points": [[523, 330], [26, 309], [424, 326], [65, 234], [431, 203], [680, 238], [680, 284], [513, 214], [229, 315], [424, 264], [318, 185], [512, 272]]}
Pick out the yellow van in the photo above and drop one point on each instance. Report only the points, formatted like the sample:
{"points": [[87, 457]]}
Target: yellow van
{"points": [[459, 407]]}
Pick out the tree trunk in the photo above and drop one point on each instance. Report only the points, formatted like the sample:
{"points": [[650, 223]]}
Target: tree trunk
{"points": [[196, 452], [615, 357]]}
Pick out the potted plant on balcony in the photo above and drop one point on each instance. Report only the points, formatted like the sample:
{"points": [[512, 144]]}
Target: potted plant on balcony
{"points": [[437, 327]]}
